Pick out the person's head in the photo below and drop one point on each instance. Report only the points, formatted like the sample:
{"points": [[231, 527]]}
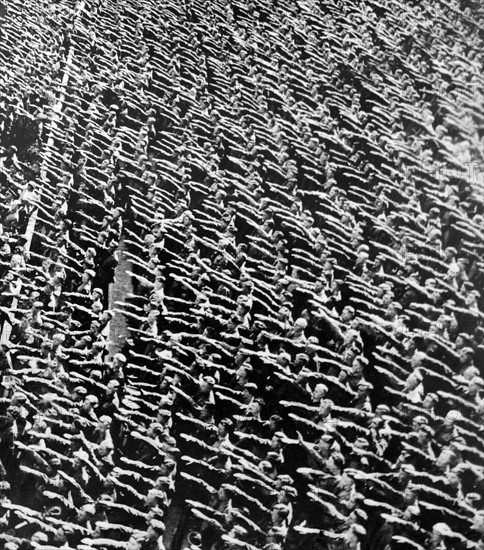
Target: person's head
{"points": [[318, 286], [280, 512], [452, 417], [242, 309], [350, 336], [239, 358], [439, 532], [39, 538], [453, 478], [300, 325], [376, 423], [119, 360], [60, 536], [156, 529], [478, 335], [335, 463], [275, 423], [97, 294], [350, 353], [445, 459], [112, 387], [358, 365], [287, 494], [466, 356], [319, 393], [429, 401], [78, 393], [382, 410], [450, 253], [413, 381], [242, 374], [410, 494], [387, 298], [406, 472], [476, 385], [284, 359], [478, 522], [133, 544], [249, 391], [348, 314], [364, 388], [300, 361], [393, 310], [86, 513], [105, 422], [472, 298], [354, 535], [424, 435], [37, 307], [155, 497], [90, 402], [361, 443], [470, 372], [156, 429], [206, 384], [325, 408], [328, 266], [254, 407], [225, 427], [104, 449], [325, 444], [153, 316]]}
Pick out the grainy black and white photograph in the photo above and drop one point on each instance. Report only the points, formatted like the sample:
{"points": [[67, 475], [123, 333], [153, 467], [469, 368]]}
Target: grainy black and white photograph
{"points": [[241, 275]]}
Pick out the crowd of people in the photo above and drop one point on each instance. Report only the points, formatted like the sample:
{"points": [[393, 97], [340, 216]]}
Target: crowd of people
{"points": [[294, 190]]}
